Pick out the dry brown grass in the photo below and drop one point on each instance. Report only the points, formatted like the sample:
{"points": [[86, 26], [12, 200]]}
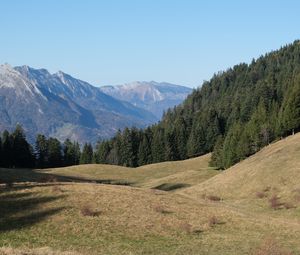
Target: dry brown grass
{"points": [[270, 247], [277, 164], [39, 251]]}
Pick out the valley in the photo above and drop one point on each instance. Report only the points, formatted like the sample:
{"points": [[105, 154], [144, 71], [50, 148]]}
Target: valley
{"points": [[164, 208]]}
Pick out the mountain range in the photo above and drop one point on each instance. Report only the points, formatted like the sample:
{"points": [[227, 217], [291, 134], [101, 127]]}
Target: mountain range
{"points": [[152, 96], [62, 106]]}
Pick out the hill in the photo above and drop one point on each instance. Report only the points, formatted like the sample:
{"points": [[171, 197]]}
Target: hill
{"points": [[152, 96], [67, 210], [179, 174], [274, 171]]}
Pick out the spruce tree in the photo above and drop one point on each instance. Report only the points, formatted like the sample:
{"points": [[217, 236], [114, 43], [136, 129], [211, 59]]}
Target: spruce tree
{"points": [[55, 156], [41, 150], [87, 154]]}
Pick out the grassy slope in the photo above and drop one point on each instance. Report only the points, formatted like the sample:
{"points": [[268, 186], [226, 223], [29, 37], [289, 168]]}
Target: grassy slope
{"points": [[275, 168], [187, 172], [138, 220]]}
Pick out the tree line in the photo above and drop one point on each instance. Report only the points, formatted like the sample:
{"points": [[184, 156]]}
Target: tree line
{"points": [[16, 152], [233, 115]]}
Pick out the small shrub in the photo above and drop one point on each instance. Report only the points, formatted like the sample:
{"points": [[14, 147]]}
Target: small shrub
{"points": [[186, 227], [270, 247], [213, 220], [274, 202], [214, 198], [260, 194], [88, 211], [161, 209]]}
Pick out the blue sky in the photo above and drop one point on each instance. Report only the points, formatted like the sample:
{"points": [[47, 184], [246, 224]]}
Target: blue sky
{"points": [[117, 41]]}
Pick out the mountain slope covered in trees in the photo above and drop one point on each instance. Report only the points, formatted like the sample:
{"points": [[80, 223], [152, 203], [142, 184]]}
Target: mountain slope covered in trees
{"points": [[234, 115]]}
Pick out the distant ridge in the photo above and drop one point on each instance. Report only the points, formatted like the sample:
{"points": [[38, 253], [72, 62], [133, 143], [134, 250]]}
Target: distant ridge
{"points": [[151, 96]]}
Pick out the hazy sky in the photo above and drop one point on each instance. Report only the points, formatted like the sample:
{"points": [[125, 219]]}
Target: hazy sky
{"points": [[117, 41]]}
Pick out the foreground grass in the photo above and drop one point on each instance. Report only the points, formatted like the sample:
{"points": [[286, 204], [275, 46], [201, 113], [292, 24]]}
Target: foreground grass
{"points": [[129, 221]]}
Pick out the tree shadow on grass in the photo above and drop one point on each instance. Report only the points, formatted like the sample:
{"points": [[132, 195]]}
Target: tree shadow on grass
{"points": [[171, 186], [19, 210], [32, 175]]}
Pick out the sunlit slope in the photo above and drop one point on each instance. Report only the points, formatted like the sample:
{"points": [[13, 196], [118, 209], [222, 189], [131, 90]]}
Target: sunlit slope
{"points": [[127, 220], [185, 173], [275, 170]]}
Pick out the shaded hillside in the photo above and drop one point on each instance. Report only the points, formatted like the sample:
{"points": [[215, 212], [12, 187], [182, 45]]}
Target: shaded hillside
{"points": [[235, 114]]}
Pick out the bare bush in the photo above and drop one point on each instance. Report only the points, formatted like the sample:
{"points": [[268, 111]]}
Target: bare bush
{"points": [[260, 194], [214, 198], [161, 209], [88, 211], [186, 227], [275, 202], [212, 221]]}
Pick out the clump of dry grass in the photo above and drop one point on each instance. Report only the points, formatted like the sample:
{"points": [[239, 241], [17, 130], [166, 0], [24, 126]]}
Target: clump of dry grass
{"points": [[161, 209], [87, 210], [275, 202], [260, 194], [212, 221], [186, 227], [214, 198], [270, 247]]}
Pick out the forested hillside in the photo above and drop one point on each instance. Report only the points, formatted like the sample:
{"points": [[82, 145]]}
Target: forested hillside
{"points": [[234, 115]]}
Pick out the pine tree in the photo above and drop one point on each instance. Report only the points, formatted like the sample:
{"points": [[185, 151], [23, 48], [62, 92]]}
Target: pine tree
{"points": [[217, 155], [55, 156], [171, 152], [144, 152], [158, 145], [196, 141], [87, 154], [41, 150], [102, 152], [69, 153], [22, 151], [291, 113]]}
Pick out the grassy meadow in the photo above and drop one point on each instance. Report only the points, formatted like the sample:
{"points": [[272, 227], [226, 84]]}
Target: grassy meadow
{"points": [[183, 207]]}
